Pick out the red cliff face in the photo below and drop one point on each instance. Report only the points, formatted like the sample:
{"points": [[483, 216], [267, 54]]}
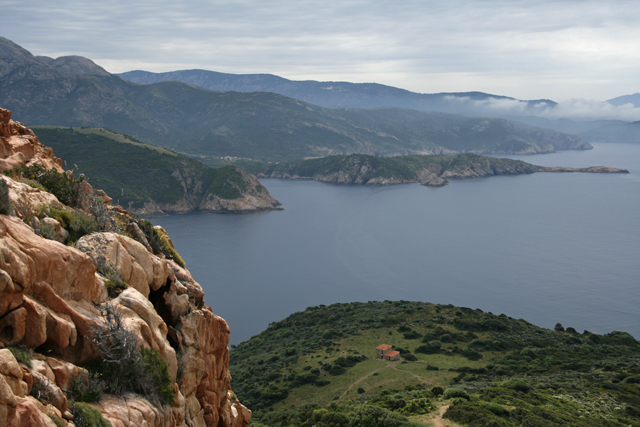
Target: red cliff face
{"points": [[51, 296]]}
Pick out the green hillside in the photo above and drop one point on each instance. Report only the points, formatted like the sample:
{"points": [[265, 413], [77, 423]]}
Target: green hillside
{"points": [[212, 125], [363, 169], [133, 173], [318, 368]]}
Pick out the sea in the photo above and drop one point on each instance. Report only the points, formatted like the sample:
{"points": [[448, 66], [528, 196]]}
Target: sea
{"points": [[548, 247]]}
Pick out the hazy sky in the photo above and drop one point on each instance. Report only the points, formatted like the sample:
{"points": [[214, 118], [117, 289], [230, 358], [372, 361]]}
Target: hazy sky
{"points": [[528, 49]]}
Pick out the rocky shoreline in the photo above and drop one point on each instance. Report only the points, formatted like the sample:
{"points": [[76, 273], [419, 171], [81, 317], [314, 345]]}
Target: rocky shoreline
{"points": [[369, 170]]}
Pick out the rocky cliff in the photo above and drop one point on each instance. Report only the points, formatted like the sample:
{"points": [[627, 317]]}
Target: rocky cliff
{"points": [[65, 308]]}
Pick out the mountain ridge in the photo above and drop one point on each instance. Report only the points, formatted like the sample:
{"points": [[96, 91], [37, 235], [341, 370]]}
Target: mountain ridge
{"points": [[211, 125]]}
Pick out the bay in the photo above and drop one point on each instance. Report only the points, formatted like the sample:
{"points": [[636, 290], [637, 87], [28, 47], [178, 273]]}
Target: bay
{"points": [[545, 247]]}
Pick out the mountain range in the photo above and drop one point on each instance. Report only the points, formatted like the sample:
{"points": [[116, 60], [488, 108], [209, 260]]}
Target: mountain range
{"points": [[219, 127]]}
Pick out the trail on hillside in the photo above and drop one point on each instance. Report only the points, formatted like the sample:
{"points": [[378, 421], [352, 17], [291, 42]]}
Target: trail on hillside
{"points": [[388, 366], [437, 420], [359, 380]]}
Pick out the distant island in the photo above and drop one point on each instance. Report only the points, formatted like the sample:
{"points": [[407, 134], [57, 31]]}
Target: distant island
{"points": [[432, 171]]}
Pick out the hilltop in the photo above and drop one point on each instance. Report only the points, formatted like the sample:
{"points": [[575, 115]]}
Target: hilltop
{"points": [[479, 368], [212, 125]]}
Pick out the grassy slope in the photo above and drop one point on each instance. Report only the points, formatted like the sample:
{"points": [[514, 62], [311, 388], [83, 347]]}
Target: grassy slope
{"points": [[130, 171], [569, 378]]}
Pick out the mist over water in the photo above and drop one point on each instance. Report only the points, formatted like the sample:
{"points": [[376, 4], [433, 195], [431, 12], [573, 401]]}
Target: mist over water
{"points": [[545, 247]]}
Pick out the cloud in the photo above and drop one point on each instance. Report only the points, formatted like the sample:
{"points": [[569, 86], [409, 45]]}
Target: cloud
{"points": [[554, 49], [573, 109]]}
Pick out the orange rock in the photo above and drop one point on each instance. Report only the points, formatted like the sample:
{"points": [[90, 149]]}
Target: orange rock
{"points": [[19, 145]]}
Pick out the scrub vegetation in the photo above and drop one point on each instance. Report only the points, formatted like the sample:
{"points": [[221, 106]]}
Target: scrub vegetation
{"points": [[488, 369], [134, 173]]}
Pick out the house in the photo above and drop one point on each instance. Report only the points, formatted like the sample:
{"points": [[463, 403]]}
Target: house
{"points": [[392, 355], [382, 350]]}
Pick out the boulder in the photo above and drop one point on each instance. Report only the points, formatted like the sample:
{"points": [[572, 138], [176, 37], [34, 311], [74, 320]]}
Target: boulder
{"points": [[139, 269], [30, 258]]}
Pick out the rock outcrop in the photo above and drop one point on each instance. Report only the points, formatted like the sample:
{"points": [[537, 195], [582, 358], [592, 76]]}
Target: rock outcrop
{"points": [[52, 302], [20, 146]]}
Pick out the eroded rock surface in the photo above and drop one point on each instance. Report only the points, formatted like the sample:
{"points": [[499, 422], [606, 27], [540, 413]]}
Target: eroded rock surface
{"points": [[51, 297]]}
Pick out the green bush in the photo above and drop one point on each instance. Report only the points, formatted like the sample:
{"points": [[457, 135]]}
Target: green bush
{"points": [[80, 225], [159, 242], [450, 393], [22, 354], [62, 216], [88, 387], [156, 368], [48, 231], [57, 421], [61, 185], [518, 385], [496, 409], [125, 366], [437, 391], [86, 416], [115, 283], [430, 348], [5, 202]]}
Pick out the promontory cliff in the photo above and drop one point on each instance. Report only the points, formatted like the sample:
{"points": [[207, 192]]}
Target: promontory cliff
{"points": [[100, 323]]}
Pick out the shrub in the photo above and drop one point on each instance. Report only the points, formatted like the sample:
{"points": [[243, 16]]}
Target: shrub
{"points": [[86, 416], [5, 202], [22, 354], [126, 367], [62, 216], [360, 390], [450, 393], [61, 185], [559, 327], [496, 409], [80, 225], [430, 348], [159, 242], [57, 421], [156, 368], [48, 231], [115, 283], [42, 389], [412, 335], [88, 387], [518, 385], [437, 391]]}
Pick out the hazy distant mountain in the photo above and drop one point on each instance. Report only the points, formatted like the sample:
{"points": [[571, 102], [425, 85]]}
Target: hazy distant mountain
{"points": [[626, 99], [373, 95], [73, 91], [616, 132], [325, 94]]}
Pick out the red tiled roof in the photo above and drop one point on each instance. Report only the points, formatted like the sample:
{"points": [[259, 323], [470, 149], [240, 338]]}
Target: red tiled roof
{"points": [[392, 353], [383, 347]]}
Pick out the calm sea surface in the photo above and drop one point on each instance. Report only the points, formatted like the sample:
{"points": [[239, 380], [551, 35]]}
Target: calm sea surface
{"points": [[544, 247]]}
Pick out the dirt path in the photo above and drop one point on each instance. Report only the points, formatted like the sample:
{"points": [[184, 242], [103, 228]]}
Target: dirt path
{"points": [[359, 380], [419, 378], [437, 420]]}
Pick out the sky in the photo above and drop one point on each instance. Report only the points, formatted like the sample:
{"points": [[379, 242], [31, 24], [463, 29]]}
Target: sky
{"points": [[563, 50]]}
